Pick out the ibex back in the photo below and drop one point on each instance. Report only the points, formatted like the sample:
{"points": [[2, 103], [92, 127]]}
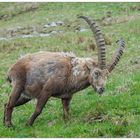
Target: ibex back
{"points": [[45, 74]]}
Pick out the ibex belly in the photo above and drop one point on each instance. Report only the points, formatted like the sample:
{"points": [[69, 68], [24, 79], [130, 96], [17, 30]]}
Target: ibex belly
{"points": [[50, 76]]}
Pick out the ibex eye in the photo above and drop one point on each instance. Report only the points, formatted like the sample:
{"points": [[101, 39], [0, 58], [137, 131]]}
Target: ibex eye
{"points": [[96, 74]]}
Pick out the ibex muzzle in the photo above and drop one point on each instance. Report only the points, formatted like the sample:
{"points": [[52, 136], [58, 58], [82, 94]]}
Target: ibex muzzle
{"points": [[97, 79], [53, 74]]}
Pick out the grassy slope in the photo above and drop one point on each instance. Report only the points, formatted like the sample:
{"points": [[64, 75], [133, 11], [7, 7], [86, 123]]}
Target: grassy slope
{"points": [[116, 113]]}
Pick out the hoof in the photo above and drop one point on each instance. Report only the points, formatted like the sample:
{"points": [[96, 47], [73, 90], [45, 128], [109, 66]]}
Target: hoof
{"points": [[8, 124], [28, 124], [66, 119]]}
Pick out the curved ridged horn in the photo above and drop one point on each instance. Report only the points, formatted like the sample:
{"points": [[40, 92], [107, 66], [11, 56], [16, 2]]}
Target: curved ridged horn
{"points": [[117, 54], [99, 41]]}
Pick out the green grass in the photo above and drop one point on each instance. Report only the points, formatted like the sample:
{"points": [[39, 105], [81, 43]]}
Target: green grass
{"points": [[117, 112]]}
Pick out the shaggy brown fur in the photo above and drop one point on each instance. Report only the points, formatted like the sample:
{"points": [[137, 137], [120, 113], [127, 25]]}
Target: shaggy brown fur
{"points": [[45, 74]]}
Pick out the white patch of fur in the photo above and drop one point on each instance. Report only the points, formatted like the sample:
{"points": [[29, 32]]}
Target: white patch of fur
{"points": [[67, 54], [77, 65], [75, 71], [75, 61]]}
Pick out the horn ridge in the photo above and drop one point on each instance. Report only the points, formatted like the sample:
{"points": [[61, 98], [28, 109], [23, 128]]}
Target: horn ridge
{"points": [[117, 55], [99, 41]]}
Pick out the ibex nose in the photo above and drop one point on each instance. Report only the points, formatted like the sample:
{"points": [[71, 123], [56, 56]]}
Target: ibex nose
{"points": [[101, 90]]}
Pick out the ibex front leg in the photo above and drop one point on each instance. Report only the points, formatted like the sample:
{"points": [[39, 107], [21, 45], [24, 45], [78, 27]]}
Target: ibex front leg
{"points": [[16, 92], [65, 103], [42, 100]]}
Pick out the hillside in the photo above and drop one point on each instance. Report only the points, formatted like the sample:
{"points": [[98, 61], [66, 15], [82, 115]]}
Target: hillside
{"points": [[31, 27]]}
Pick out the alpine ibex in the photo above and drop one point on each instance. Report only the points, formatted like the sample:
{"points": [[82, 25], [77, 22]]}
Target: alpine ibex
{"points": [[45, 74]]}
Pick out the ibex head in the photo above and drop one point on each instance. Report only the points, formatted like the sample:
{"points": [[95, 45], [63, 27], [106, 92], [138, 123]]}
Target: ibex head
{"points": [[99, 73]]}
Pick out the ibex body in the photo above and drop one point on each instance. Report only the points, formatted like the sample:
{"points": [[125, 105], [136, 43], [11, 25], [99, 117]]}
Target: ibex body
{"points": [[46, 74]]}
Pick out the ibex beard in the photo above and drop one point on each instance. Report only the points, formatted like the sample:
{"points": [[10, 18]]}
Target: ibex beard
{"points": [[52, 74]]}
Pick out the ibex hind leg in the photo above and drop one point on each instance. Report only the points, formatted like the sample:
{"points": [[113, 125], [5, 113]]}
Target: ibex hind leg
{"points": [[8, 109], [41, 101], [22, 100]]}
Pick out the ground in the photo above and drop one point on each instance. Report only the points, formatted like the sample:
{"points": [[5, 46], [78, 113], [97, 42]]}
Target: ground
{"points": [[32, 27]]}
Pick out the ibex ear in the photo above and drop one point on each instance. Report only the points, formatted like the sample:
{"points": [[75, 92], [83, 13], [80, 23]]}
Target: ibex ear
{"points": [[106, 71], [90, 65]]}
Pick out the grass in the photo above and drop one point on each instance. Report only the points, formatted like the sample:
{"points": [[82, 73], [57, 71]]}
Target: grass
{"points": [[117, 112]]}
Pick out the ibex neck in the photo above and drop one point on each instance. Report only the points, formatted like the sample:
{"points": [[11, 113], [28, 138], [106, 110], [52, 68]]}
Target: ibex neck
{"points": [[79, 74]]}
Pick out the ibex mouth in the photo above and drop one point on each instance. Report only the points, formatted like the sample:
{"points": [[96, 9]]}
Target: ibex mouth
{"points": [[101, 90]]}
